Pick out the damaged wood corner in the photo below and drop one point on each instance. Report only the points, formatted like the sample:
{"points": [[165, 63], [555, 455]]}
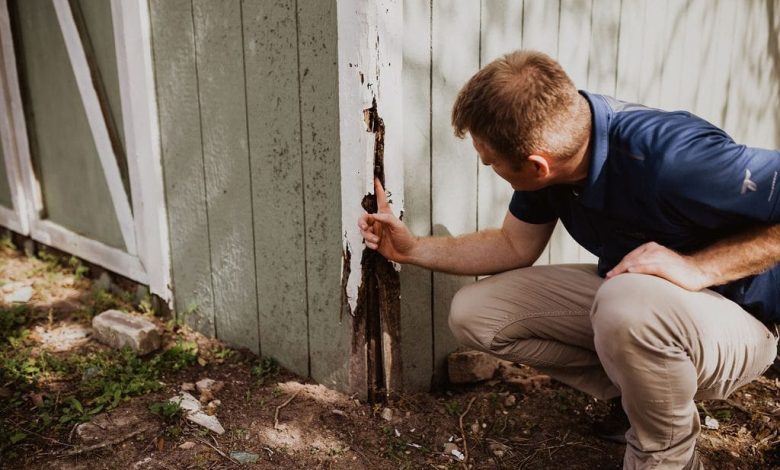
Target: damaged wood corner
{"points": [[375, 366]]}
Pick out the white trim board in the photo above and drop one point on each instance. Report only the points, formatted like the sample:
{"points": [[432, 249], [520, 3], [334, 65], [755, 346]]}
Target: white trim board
{"points": [[18, 218], [97, 122], [132, 39], [113, 259], [10, 219]]}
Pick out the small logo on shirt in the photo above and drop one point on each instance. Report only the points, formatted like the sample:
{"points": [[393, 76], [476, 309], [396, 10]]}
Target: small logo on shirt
{"points": [[747, 183]]}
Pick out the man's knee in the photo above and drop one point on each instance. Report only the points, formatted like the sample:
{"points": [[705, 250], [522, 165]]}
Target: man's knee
{"points": [[625, 313]]}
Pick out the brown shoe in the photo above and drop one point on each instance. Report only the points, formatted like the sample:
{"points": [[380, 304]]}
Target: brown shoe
{"points": [[614, 425]]}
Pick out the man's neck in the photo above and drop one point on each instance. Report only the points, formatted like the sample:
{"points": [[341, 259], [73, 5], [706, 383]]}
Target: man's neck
{"points": [[575, 170]]}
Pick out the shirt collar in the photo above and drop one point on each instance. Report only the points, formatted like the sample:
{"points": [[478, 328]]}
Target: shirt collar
{"points": [[594, 193]]}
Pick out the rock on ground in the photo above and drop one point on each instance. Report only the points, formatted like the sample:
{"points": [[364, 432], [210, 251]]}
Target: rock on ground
{"points": [[471, 366], [114, 424], [118, 329]]}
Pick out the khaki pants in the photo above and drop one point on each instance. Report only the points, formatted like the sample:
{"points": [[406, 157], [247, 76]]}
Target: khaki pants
{"points": [[640, 337]]}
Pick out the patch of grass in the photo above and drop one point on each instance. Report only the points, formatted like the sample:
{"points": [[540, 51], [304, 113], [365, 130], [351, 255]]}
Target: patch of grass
{"points": [[180, 355], [145, 306], [395, 446], [12, 321], [454, 408], [99, 381], [103, 300], [224, 354], [6, 242], [79, 270], [265, 369], [170, 411]]}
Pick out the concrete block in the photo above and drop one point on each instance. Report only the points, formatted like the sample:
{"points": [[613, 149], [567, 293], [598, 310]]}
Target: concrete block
{"points": [[471, 366], [118, 329]]}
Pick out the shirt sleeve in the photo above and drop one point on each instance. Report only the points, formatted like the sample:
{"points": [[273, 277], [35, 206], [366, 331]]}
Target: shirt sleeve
{"points": [[533, 207], [713, 180]]}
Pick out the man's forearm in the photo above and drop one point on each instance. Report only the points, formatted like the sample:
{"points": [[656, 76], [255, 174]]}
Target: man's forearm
{"points": [[480, 253], [740, 256]]}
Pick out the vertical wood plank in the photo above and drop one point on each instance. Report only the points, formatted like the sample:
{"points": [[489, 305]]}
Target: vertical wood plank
{"points": [[177, 97], [629, 53], [416, 283], [734, 113], [540, 26], [540, 32], [329, 333], [654, 50], [501, 32], [604, 46], [454, 162], [674, 65], [220, 72], [271, 53], [602, 66], [717, 55], [699, 28], [754, 76], [573, 48]]}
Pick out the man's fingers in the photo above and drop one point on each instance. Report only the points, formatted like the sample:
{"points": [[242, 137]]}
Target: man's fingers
{"points": [[381, 197], [385, 218], [364, 222]]}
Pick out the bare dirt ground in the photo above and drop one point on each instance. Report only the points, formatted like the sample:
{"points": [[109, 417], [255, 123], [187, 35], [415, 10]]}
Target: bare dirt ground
{"points": [[276, 418]]}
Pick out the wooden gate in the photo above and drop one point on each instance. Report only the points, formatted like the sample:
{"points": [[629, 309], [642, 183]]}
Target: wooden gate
{"points": [[79, 134]]}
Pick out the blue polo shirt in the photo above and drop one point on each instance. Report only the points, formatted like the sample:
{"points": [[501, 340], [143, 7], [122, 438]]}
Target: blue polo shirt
{"points": [[668, 177]]}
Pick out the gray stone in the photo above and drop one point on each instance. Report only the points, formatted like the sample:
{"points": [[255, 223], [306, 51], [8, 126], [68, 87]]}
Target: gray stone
{"points": [[244, 457], [194, 413], [471, 366], [22, 294], [118, 329], [387, 414], [103, 282]]}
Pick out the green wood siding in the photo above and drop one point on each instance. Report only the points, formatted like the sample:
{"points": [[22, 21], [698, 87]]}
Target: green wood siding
{"points": [[99, 35], [273, 106], [329, 333], [74, 188], [182, 157], [248, 99], [220, 71]]}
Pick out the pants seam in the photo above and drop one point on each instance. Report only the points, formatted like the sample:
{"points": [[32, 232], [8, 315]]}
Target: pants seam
{"points": [[558, 313]]}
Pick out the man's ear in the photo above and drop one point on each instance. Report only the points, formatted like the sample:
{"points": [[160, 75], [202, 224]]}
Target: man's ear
{"points": [[540, 164]]}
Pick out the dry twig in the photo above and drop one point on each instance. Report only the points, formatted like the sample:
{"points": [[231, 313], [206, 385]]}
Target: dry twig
{"points": [[108, 443], [463, 433], [287, 402], [219, 451]]}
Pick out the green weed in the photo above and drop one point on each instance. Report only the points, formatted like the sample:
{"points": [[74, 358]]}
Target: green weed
{"points": [[454, 408], [6, 242], [266, 368], [170, 411], [180, 355], [79, 270]]}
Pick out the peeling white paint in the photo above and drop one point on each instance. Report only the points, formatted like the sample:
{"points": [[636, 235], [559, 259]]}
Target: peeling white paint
{"points": [[370, 60]]}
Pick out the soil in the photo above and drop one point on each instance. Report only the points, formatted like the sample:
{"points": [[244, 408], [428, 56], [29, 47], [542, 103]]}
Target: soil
{"points": [[547, 426]]}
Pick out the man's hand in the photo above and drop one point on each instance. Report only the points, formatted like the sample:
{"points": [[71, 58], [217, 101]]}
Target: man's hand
{"points": [[652, 258], [384, 231]]}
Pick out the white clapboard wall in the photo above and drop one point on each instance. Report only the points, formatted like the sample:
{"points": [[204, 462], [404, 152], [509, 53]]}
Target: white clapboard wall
{"points": [[717, 58]]}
